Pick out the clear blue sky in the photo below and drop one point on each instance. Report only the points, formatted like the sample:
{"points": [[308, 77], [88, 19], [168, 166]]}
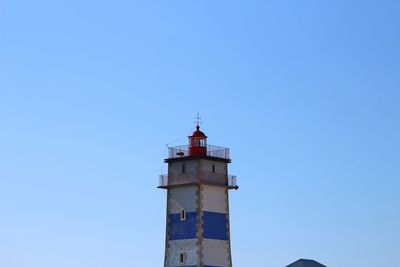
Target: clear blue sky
{"points": [[305, 93]]}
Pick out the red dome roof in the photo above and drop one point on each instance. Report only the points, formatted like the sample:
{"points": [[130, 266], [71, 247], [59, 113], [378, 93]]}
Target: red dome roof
{"points": [[197, 133]]}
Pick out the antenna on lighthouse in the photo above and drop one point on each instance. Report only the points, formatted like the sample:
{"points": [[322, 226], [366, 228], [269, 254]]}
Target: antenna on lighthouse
{"points": [[198, 121]]}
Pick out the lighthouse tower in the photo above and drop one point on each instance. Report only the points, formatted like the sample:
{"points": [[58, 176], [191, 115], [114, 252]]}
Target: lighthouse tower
{"points": [[197, 232]]}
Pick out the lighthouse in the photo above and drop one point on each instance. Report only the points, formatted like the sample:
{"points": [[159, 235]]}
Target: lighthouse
{"points": [[197, 221]]}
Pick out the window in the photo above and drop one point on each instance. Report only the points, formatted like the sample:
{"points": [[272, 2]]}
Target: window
{"points": [[183, 168], [213, 168], [183, 215], [182, 258], [202, 142]]}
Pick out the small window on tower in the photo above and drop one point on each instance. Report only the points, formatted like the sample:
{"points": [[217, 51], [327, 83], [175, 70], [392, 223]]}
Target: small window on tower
{"points": [[183, 168], [183, 215], [213, 168], [182, 258]]}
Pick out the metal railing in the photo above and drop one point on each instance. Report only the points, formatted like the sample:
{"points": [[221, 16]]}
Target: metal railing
{"points": [[232, 180], [212, 151], [163, 180], [184, 179]]}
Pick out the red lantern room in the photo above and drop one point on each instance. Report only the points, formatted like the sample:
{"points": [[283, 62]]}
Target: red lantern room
{"points": [[197, 143]]}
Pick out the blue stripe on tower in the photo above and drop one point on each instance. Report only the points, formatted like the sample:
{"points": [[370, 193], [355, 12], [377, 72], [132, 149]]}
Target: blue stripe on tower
{"points": [[214, 225], [182, 229]]}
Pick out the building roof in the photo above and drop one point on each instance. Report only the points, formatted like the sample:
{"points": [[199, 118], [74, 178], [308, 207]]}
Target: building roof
{"points": [[197, 133], [305, 263]]}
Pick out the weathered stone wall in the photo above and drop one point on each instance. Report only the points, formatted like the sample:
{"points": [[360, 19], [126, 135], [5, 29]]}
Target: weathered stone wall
{"points": [[215, 244], [203, 235]]}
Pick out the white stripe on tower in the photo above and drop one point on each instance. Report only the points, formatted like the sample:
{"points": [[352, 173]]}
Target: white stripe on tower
{"points": [[215, 244]]}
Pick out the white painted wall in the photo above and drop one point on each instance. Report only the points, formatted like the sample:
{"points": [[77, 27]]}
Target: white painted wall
{"points": [[214, 199], [220, 167], [208, 198], [216, 252], [183, 197], [176, 167], [175, 247]]}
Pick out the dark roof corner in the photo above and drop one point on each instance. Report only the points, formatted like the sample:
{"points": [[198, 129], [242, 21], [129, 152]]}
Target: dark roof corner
{"points": [[306, 263]]}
